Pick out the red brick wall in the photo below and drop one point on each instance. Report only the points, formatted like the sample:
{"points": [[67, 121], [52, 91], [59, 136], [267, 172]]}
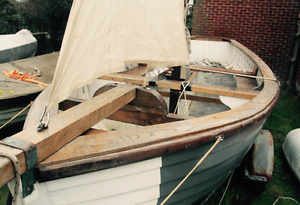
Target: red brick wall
{"points": [[267, 27]]}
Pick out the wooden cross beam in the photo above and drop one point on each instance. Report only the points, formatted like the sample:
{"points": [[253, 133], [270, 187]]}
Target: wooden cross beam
{"points": [[176, 85], [64, 127]]}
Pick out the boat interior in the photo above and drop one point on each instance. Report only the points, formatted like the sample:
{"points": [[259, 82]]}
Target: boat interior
{"points": [[202, 89]]}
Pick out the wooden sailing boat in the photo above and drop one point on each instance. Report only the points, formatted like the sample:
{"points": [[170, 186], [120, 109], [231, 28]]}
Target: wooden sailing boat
{"points": [[124, 146]]}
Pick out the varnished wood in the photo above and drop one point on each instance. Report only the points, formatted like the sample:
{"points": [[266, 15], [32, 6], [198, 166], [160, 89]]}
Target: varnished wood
{"points": [[66, 126], [72, 167]]}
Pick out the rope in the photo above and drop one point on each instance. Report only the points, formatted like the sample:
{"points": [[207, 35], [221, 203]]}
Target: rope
{"points": [[226, 188], [201, 160], [285, 198], [17, 188], [16, 115], [183, 92]]}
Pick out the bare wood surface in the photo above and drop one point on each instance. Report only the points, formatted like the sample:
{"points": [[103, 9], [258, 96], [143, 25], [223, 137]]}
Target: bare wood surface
{"points": [[195, 98], [141, 118], [126, 78], [139, 70], [245, 83], [118, 141], [45, 63], [147, 100], [208, 68], [65, 127], [93, 131], [210, 89], [176, 85]]}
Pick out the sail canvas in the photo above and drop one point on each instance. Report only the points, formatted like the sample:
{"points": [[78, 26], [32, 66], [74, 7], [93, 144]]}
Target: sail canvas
{"points": [[102, 36]]}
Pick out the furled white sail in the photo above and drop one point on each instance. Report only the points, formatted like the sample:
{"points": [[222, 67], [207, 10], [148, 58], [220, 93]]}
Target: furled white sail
{"points": [[102, 36]]}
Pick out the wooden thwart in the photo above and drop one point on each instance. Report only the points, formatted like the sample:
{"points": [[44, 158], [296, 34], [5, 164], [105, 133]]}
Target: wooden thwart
{"points": [[176, 85], [66, 126]]}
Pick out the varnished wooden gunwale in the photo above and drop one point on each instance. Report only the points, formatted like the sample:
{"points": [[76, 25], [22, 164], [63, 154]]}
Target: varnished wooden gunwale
{"points": [[73, 167], [172, 137]]}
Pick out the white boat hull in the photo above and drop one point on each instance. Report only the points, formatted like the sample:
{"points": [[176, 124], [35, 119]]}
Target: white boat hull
{"points": [[17, 46], [291, 149], [150, 181]]}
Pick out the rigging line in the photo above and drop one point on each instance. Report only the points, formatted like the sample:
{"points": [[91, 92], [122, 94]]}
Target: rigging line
{"points": [[183, 91], [16, 115], [200, 161], [226, 188], [288, 198]]}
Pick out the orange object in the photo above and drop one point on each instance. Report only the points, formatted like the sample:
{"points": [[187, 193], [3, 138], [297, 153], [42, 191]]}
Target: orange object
{"points": [[14, 74]]}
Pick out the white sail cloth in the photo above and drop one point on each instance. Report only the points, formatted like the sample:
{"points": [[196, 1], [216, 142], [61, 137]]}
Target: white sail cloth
{"points": [[101, 36]]}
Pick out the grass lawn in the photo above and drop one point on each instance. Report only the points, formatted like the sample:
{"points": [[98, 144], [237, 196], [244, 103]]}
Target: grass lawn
{"points": [[284, 118]]}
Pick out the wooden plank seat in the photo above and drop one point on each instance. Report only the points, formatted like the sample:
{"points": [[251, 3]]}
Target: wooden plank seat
{"points": [[176, 85]]}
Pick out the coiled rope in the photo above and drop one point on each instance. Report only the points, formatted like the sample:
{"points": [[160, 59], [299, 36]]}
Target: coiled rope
{"points": [[195, 167]]}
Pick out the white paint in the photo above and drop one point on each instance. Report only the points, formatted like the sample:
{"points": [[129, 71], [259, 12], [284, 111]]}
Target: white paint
{"points": [[136, 183], [233, 102], [215, 51]]}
